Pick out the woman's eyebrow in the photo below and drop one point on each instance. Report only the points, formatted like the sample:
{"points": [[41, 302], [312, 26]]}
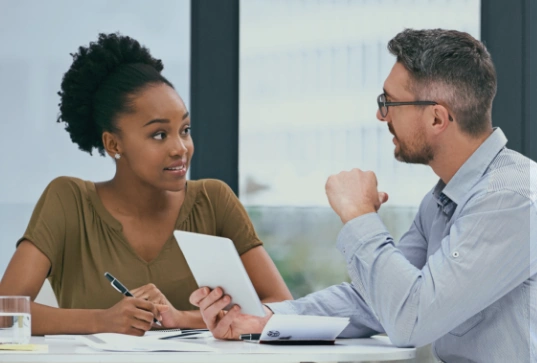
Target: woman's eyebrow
{"points": [[164, 120], [158, 120]]}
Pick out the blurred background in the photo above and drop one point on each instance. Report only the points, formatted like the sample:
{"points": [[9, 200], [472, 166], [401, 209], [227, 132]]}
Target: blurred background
{"points": [[301, 88], [310, 73]]}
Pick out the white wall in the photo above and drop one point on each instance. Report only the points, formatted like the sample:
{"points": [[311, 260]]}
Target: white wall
{"points": [[36, 38]]}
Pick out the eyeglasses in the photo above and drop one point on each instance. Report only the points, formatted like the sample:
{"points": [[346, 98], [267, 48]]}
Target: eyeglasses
{"points": [[383, 104]]}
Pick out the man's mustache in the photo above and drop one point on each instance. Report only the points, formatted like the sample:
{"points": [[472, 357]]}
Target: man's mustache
{"points": [[392, 130]]}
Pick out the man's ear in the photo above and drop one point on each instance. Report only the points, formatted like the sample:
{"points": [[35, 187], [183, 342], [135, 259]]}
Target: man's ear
{"points": [[111, 144], [441, 118]]}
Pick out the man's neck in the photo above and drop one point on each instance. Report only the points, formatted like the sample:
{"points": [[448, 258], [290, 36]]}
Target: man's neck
{"points": [[453, 154]]}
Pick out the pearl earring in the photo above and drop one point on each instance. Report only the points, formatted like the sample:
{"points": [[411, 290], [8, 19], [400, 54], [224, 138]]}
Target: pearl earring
{"points": [[117, 156]]}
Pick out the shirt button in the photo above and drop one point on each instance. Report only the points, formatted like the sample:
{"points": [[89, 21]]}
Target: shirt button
{"points": [[455, 254]]}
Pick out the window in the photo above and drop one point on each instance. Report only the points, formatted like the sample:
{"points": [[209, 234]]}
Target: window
{"points": [[310, 72]]}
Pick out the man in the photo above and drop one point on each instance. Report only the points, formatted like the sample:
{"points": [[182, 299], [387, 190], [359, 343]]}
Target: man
{"points": [[464, 277]]}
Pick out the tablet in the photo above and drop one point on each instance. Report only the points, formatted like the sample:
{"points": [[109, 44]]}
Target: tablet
{"points": [[214, 262]]}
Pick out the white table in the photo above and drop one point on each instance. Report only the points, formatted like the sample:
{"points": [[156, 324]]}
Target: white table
{"points": [[347, 350]]}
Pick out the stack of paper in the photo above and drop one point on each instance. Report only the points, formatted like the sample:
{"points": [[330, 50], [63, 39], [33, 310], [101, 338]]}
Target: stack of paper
{"points": [[292, 328]]}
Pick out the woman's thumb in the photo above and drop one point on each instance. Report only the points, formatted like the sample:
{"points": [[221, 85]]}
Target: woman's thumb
{"points": [[162, 308]]}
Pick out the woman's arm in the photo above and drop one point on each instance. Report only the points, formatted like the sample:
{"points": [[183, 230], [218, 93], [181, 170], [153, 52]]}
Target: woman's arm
{"points": [[25, 275], [267, 281]]}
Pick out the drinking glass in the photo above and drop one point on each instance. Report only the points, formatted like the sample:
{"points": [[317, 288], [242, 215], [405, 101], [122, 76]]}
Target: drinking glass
{"points": [[15, 320]]}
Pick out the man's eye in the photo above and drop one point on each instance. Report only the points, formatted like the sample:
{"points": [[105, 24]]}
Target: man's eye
{"points": [[159, 136]]}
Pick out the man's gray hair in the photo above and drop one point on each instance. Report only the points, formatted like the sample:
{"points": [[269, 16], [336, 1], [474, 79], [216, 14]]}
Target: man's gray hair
{"points": [[451, 68]]}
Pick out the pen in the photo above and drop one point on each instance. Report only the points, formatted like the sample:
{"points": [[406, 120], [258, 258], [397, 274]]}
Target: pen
{"points": [[250, 336], [122, 289]]}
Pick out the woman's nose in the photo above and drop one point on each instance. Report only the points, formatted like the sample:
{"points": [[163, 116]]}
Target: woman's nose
{"points": [[179, 147]]}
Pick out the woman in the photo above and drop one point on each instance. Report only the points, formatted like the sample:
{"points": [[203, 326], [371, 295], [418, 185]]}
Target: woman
{"points": [[115, 100]]}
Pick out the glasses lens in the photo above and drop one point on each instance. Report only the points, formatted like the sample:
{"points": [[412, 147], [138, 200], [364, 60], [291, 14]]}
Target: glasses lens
{"points": [[382, 105]]}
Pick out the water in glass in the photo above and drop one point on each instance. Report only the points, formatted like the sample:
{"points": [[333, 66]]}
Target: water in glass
{"points": [[15, 320]]}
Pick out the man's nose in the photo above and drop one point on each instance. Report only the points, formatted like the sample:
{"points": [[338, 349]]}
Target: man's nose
{"points": [[379, 116]]}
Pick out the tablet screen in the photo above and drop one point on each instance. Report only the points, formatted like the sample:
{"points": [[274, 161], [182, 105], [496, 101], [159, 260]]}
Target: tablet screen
{"points": [[214, 262]]}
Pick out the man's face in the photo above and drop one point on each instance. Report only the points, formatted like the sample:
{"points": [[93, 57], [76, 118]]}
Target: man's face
{"points": [[406, 123]]}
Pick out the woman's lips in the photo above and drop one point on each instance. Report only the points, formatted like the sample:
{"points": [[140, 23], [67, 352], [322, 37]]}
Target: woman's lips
{"points": [[176, 170]]}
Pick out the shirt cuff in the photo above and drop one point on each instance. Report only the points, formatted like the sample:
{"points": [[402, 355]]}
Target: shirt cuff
{"points": [[358, 231], [283, 308]]}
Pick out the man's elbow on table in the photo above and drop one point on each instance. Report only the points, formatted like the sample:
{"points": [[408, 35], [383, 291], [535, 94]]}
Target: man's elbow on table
{"points": [[415, 337]]}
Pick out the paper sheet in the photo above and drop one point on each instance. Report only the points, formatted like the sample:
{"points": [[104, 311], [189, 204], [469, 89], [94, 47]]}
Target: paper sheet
{"points": [[128, 343], [178, 334], [152, 334]]}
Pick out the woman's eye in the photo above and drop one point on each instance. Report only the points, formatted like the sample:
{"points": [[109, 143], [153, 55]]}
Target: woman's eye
{"points": [[187, 130], [159, 136]]}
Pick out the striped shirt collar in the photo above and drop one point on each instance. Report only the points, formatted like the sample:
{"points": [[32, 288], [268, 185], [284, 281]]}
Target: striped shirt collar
{"points": [[471, 171]]}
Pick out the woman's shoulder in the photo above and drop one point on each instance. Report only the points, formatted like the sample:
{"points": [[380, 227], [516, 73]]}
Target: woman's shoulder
{"points": [[213, 188], [63, 182], [66, 186]]}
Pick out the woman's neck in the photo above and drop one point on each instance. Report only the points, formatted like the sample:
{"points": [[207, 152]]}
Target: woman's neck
{"points": [[133, 198]]}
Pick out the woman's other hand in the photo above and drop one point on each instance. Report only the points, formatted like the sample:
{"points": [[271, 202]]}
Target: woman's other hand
{"points": [[169, 316]]}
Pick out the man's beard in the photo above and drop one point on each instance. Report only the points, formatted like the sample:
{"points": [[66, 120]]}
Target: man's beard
{"points": [[418, 152]]}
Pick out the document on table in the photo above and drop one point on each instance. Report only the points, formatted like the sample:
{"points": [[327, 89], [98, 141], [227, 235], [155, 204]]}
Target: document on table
{"points": [[178, 334], [305, 328], [153, 334], [129, 343]]}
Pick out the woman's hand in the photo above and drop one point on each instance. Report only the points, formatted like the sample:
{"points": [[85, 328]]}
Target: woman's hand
{"points": [[169, 316], [131, 316], [226, 324]]}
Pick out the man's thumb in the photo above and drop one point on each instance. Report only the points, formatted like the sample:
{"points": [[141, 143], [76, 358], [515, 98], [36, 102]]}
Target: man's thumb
{"points": [[383, 197]]}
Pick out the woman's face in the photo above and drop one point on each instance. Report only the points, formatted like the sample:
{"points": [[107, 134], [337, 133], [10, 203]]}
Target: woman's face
{"points": [[154, 141]]}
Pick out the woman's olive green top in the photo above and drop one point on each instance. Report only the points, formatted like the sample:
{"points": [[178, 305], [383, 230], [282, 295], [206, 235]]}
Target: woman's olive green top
{"points": [[82, 240]]}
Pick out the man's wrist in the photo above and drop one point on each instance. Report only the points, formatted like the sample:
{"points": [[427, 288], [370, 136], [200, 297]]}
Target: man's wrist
{"points": [[268, 315], [268, 312], [350, 215]]}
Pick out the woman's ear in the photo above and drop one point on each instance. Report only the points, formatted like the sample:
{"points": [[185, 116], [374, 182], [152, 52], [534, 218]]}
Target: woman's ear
{"points": [[111, 144]]}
